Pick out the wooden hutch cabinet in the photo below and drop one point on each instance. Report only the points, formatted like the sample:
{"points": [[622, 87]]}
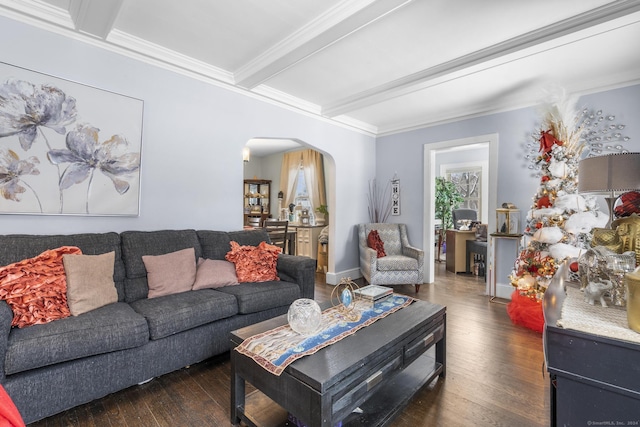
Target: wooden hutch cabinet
{"points": [[257, 194]]}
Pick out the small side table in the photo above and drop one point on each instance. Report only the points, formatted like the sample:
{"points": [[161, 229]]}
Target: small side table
{"points": [[494, 237]]}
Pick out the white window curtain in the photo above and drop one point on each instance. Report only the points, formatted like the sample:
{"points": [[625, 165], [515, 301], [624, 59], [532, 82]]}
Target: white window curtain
{"points": [[312, 163]]}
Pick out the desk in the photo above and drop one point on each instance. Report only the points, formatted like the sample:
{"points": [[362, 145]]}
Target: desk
{"points": [[476, 247], [456, 249]]}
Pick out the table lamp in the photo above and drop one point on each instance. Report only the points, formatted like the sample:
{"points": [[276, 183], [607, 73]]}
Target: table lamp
{"points": [[609, 174]]}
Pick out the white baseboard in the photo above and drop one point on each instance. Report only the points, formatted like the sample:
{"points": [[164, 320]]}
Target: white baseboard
{"points": [[334, 278], [503, 290]]}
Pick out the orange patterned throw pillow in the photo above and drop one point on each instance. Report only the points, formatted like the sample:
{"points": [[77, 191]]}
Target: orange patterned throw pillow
{"points": [[36, 288], [254, 263], [375, 242]]}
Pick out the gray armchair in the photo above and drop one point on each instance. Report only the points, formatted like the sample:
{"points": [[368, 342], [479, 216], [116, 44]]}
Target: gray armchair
{"points": [[403, 263]]}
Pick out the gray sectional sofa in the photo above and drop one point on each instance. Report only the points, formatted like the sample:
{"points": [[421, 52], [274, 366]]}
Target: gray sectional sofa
{"points": [[49, 368]]}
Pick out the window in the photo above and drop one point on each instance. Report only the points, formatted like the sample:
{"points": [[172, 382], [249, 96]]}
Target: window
{"points": [[302, 194], [468, 182]]}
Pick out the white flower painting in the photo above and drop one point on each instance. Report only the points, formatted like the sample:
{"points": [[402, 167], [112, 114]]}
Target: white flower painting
{"points": [[67, 148]]}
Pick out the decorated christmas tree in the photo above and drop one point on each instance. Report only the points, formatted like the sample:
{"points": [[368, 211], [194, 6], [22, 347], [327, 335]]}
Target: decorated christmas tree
{"points": [[560, 222]]}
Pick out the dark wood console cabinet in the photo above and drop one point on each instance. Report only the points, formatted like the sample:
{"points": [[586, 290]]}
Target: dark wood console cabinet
{"points": [[595, 380]]}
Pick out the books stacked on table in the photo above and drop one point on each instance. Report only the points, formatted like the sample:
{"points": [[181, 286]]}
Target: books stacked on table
{"points": [[373, 292]]}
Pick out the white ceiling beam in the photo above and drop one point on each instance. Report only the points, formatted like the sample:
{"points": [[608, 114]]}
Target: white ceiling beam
{"points": [[94, 17], [339, 22], [448, 70]]}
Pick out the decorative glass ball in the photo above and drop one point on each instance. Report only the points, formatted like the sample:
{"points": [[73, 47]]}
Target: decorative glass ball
{"points": [[304, 316], [346, 297]]}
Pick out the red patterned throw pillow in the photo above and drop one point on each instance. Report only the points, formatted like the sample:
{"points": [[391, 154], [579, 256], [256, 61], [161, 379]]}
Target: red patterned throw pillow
{"points": [[375, 242], [254, 263], [36, 288]]}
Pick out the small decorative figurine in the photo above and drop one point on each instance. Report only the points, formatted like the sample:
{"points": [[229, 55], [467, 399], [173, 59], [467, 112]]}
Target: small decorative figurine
{"points": [[595, 291]]}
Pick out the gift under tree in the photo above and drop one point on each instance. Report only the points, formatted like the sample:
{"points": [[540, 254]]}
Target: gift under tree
{"points": [[560, 221]]}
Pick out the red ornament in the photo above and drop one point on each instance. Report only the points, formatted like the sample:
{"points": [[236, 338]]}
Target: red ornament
{"points": [[547, 141], [539, 225], [574, 266], [544, 178], [543, 202]]}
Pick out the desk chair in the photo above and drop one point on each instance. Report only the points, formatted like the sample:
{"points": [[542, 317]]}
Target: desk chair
{"points": [[462, 213]]}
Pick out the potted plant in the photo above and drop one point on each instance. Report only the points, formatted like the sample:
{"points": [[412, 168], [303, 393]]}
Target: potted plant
{"points": [[322, 209], [447, 198]]}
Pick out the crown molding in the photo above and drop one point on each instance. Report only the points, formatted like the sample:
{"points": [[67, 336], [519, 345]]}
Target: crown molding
{"points": [[143, 48], [338, 22], [37, 13], [430, 76]]}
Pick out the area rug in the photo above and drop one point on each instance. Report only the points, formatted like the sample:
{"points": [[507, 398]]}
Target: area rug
{"points": [[276, 349]]}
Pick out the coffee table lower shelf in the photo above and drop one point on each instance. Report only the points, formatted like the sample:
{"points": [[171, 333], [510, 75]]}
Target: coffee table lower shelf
{"points": [[379, 410]]}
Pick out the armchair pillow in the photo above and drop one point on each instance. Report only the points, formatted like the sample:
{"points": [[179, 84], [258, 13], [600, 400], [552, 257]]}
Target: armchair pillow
{"points": [[375, 242], [170, 273], [89, 281]]}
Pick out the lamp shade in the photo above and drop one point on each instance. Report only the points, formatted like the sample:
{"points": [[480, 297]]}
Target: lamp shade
{"points": [[609, 173]]}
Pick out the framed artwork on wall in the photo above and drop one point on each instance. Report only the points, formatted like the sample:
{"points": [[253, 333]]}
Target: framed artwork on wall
{"points": [[67, 148]]}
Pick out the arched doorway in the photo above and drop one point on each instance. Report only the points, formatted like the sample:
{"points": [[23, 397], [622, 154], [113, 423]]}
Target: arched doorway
{"points": [[265, 161]]}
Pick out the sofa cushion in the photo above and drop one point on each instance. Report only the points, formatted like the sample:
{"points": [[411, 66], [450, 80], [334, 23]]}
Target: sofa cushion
{"points": [[170, 314], [255, 297], [89, 281], [36, 288], [397, 263], [110, 328], [135, 244], [214, 244], [170, 273], [15, 247], [214, 273]]}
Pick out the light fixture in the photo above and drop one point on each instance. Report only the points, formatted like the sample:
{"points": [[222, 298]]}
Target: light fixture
{"points": [[609, 174], [246, 154]]}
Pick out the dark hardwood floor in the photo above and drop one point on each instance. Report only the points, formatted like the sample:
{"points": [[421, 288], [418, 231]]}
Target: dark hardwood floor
{"points": [[494, 375]]}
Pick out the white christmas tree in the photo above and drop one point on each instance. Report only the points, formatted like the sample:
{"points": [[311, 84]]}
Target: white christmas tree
{"points": [[560, 222]]}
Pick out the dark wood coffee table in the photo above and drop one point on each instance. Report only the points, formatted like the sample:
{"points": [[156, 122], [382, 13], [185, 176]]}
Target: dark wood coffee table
{"points": [[377, 369]]}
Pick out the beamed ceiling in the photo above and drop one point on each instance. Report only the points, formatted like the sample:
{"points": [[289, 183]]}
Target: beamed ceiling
{"points": [[380, 66]]}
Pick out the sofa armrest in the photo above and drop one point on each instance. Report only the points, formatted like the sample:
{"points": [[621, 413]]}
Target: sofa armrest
{"points": [[6, 317], [300, 270]]}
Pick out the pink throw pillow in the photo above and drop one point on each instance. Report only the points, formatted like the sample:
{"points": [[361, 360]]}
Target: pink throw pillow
{"points": [[170, 273], [214, 273]]}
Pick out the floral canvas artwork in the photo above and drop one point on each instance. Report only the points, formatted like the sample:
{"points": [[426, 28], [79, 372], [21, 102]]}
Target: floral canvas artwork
{"points": [[67, 148]]}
